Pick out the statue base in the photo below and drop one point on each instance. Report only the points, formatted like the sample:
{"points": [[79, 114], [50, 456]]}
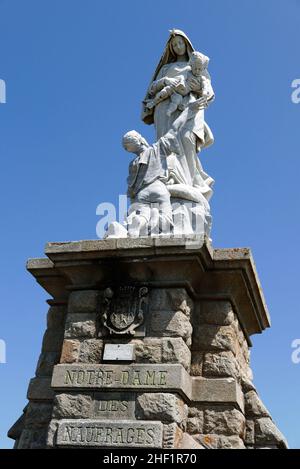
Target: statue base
{"points": [[147, 345]]}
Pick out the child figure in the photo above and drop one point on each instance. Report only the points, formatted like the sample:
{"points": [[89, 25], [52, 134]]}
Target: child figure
{"points": [[181, 86]]}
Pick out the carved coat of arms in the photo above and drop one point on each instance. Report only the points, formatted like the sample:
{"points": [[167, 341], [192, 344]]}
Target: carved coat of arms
{"points": [[123, 309]]}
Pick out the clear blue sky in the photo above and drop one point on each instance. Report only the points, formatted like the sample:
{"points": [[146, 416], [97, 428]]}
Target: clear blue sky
{"points": [[76, 72]]}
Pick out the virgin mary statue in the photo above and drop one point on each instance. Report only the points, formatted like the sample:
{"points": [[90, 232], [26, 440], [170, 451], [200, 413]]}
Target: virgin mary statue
{"points": [[186, 176]]}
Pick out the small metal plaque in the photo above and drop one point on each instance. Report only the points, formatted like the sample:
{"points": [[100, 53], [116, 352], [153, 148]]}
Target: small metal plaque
{"points": [[119, 352]]}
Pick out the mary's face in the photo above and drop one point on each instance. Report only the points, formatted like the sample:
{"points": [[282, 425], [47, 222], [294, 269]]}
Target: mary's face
{"points": [[178, 45]]}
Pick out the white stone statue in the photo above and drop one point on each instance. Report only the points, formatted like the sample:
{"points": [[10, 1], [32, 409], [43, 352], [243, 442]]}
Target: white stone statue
{"points": [[175, 66], [168, 189]]}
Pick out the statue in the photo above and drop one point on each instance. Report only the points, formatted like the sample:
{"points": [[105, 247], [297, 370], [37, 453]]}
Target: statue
{"points": [[166, 181]]}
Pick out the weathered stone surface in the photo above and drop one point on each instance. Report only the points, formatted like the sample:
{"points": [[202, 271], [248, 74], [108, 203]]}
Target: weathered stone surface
{"points": [[188, 442], [216, 312], [224, 421], [223, 390], [195, 421], [171, 299], [165, 407], [176, 351], [220, 364], [46, 362], [70, 351], [246, 383], [266, 433], [149, 350], [52, 340], [91, 351], [80, 325], [195, 425], [33, 439], [250, 433], [114, 405], [51, 433], [72, 406], [84, 301], [197, 363], [109, 433], [213, 441], [170, 324], [56, 317], [39, 389], [162, 350], [240, 334], [170, 377], [38, 414], [254, 406], [172, 435], [214, 338]]}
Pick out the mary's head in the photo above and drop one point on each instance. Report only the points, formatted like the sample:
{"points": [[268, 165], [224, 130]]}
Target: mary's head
{"points": [[178, 48]]}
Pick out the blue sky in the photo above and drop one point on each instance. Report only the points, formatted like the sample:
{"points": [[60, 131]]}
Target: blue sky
{"points": [[76, 72]]}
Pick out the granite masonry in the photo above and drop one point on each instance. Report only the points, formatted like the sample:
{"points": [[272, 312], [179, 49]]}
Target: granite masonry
{"points": [[147, 345]]}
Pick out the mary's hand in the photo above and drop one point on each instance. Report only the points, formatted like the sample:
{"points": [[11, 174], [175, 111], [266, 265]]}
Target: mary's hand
{"points": [[171, 81], [200, 103]]}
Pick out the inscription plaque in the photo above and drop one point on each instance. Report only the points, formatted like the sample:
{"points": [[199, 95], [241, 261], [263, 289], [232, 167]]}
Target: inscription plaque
{"points": [[114, 405], [140, 434], [118, 352], [135, 377]]}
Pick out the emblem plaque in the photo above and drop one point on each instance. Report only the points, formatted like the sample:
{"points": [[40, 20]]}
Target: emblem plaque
{"points": [[124, 308]]}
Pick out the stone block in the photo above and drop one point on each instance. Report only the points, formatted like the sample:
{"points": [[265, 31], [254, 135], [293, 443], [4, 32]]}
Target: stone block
{"points": [[46, 362], [83, 301], [170, 324], [172, 436], [114, 405], [70, 351], [197, 363], [250, 432], [267, 433], [102, 433], [158, 377], [80, 325], [188, 442], [38, 414], [217, 312], [39, 389], [165, 407], [56, 317], [91, 351], [52, 433], [247, 384], [217, 390], [72, 406], [163, 350], [224, 421], [33, 439], [220, 364], [195, 421], [174, 350], [148, 351], [52, 340], [171, 299], [213, 441], [209, 337], [254, 406]]}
